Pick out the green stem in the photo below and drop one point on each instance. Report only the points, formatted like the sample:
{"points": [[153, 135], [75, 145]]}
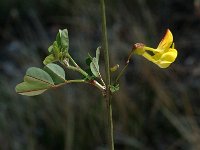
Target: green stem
{"points": [[75, 67], [107, 70], [75, 81], [73, 61], [70, 81], [123, 70], [93, 82], [78, 69], [121, 73]]}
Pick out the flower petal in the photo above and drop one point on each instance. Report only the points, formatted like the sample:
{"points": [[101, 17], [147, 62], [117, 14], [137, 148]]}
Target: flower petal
{"points": [[157, 56], [164, 64], [169, 56], [166, 42]]}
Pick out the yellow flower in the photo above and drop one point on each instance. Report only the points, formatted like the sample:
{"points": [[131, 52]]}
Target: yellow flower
{"points": [[163, 55]]}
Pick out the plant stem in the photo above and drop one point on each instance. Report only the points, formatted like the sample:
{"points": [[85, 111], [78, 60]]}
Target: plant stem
{"points": [[78, 69], [73, 61], [75, 67], [107, 70], [93, 82], [126, 65], [121, 73]]}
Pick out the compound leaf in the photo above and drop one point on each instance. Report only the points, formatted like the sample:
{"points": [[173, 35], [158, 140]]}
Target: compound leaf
{"points": [[36, 81]]}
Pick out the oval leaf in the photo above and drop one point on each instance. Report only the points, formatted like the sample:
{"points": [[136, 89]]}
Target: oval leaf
{"points": [[94, 66], [30, 89], [56, 72], [38, 75]]}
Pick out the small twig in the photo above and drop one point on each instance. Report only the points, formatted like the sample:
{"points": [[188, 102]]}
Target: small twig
{"points": [[137, 45], [124, 68]]}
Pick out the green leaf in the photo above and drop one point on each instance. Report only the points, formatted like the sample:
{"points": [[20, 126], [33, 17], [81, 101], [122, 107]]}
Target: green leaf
{"points": [[58, 38], [98, 53], [50, 49], [49, 59], [36, 81], [56, 49], [56, 72], [39, 75], [30, 89], [94, 66], [63, 40]]}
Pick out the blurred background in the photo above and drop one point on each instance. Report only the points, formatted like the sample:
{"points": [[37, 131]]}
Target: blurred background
{"points": [[155, 109]]}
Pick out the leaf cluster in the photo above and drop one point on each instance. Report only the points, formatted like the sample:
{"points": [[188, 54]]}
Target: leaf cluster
{"points": [[59, 49], [37, 81]]}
